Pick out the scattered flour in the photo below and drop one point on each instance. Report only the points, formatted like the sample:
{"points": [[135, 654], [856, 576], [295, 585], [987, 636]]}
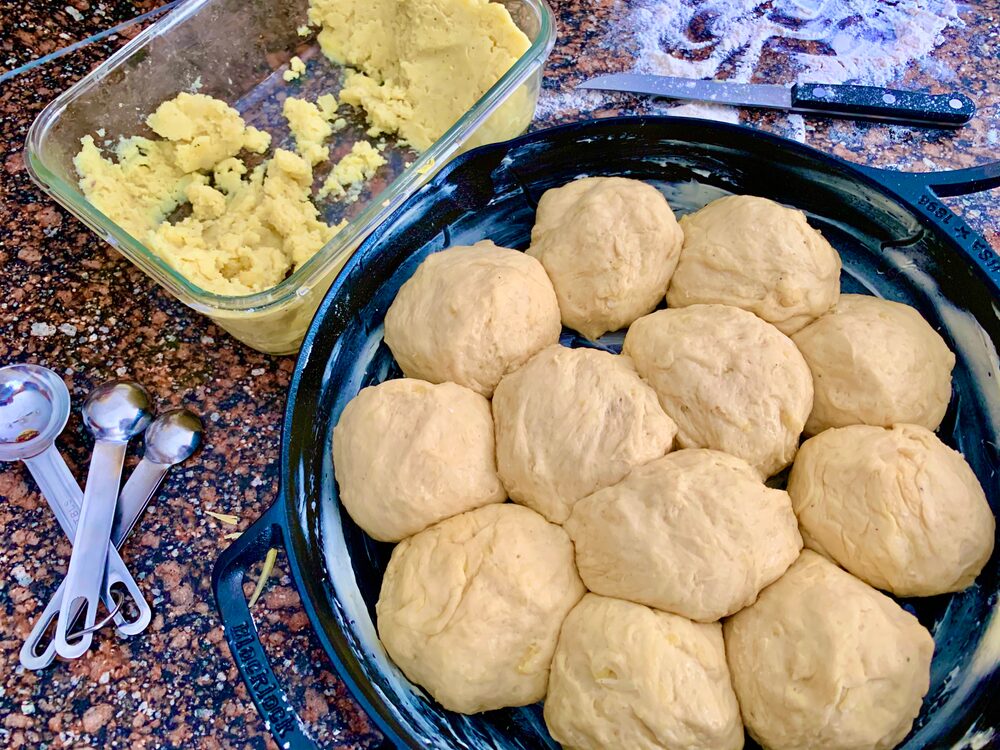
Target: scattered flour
{"points": [[552, 104], [864, 41], [976, 740], [830, 41]]}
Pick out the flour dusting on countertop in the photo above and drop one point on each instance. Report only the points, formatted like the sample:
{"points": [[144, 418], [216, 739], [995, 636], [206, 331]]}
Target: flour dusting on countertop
{"points": [[869, 42], [829, 41]]}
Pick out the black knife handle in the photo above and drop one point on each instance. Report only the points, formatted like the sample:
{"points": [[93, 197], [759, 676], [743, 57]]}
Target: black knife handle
{"points": [[914, 107]]}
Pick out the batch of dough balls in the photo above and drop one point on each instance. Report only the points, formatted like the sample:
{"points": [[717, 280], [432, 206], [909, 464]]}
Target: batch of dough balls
{"points": [[647, 580]]}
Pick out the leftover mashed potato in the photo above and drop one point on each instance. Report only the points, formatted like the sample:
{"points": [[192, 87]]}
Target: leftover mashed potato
{"points": [[310, 126], [247, 228], [359, 165], [421, 64]]}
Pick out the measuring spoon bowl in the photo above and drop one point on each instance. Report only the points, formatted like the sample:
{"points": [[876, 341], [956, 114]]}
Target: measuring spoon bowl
{"points": [[34, 408]]}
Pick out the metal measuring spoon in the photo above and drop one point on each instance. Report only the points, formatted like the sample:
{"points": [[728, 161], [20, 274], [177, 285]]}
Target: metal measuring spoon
{"points": [[34, 407], [173, 437], [114, 412]]}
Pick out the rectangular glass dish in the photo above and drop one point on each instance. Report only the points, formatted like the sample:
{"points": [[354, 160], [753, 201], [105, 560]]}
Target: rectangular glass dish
{"points": [[237, 51]]}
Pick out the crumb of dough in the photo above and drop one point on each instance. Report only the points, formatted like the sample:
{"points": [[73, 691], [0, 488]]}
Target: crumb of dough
{"points": [[310, 128], [339, 124], [353, 169], [295, 69], [425, 168], [421, 64], [246, 232], [303, 30], [327, 104]]}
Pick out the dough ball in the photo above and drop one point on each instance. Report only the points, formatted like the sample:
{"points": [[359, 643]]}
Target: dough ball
{"points": [[896, 507], [471, 608], [610, 245], [626, 677], [756, 254], [729, 380], [472, 314], [695, 532], [572, 421], [823, 661], [408, 454], [875, 362]]}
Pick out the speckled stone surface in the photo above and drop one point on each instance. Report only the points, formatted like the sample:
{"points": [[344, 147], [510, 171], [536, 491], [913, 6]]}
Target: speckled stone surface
{"points": [[70, 302]]}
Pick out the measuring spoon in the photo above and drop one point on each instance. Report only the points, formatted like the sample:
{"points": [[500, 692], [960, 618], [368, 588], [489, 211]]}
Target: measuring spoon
{"points": [[172, 438], [34, 408], [114, 412]]}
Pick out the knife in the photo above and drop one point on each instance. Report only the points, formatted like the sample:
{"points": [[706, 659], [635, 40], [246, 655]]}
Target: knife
{"points": [[835, 100]]}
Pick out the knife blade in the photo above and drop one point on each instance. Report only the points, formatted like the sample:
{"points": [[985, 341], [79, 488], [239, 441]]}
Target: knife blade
{"points": [[834, 100]]}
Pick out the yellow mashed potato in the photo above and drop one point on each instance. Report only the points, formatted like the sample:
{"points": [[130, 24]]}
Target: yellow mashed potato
{"points": [[310, 126], [245, 232], [359, 165], [422, 63], [295, 69]]}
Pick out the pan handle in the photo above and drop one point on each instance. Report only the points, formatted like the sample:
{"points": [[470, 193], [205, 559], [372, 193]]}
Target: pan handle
{"points": [[241, 632], [924, 190]]}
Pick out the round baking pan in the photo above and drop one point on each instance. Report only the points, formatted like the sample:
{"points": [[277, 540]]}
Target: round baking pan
{"points": [[897, 241]]}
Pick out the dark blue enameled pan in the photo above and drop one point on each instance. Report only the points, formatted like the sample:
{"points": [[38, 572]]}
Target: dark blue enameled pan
{"points": [[897, 240]]}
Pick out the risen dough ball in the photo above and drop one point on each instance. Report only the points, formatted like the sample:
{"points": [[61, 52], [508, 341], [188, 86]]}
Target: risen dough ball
{"points": [[572, 421], [875, 362], [756, 254], [610, 245], [408, 454], [897, 508], [823, 661], [472, 314], [729, 380], [471, 608], [626, 677], [695, 532]]}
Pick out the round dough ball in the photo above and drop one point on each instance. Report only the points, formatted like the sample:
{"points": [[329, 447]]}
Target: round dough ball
{"points": [[729, 380], [823, 661], [609, 245], [875, 362], [896, 507], [572, 421], [437, 442], [471, 608], [696, 533], [472, 314], [756, 254], [628, 677]]}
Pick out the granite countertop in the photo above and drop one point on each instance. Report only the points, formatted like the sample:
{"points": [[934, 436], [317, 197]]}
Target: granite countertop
{"points": [[69, 301]]}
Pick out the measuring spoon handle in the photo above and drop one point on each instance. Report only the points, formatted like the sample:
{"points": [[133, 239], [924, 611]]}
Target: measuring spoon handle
{"points": [[85, 577], [58, 486], [63, 494], [138, 490]]}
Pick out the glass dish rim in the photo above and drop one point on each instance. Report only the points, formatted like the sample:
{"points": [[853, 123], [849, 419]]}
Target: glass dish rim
{"points": [[300, 281]]}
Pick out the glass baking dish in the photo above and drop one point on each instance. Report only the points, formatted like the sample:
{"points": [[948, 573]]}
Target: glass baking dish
{"points": [[237, 51]]}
